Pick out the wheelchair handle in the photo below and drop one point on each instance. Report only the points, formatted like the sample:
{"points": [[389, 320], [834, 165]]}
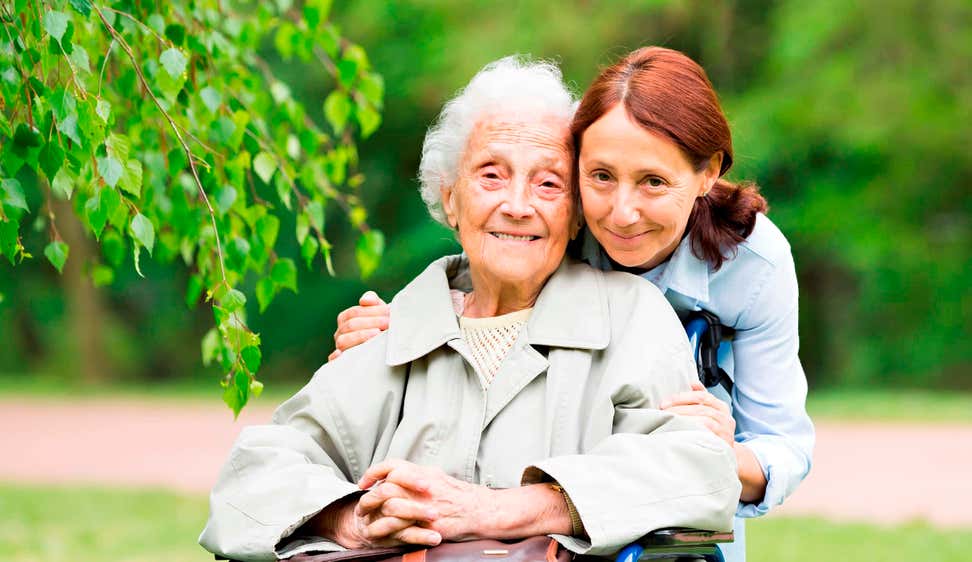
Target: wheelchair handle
{"points": [[705, 329]]}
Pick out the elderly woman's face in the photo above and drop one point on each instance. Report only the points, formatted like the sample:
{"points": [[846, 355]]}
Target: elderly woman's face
{"points": [[512, 203]]}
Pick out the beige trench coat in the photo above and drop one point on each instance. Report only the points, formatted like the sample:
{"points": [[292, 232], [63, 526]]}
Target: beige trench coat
{"points": [[575, 401]]}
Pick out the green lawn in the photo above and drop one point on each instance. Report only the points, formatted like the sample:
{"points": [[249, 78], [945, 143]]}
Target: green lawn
{"points": [[830, 404], [56, 524]]}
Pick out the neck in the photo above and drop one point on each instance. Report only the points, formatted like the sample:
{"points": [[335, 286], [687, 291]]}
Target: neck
{"points": [[495, 299]]}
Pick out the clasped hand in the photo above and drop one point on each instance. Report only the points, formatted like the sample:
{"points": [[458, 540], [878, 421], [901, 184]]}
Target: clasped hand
{"points": [[409, 503]]}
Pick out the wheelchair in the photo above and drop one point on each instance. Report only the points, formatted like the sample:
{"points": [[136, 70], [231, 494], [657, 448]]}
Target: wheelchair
{"points": [[706, 334]]}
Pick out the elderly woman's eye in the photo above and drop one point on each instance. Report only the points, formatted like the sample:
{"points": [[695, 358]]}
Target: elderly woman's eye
{"points": [[601, 175], [655, 181]]}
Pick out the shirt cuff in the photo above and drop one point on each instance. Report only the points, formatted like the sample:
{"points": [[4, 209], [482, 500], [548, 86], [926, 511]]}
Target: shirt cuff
{"points": [[784, 470]]}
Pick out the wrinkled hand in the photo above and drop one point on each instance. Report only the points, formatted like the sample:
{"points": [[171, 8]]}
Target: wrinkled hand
{"points": [[390, 525], [714, 413], [452, 509], [359, 324]]}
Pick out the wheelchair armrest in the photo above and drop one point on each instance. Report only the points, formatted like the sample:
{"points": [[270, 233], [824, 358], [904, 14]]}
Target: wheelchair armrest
{"points": [[678, 536]]}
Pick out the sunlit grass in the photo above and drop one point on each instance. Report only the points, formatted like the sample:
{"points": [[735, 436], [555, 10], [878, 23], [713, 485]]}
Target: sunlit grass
{"points": [[73, 524]]}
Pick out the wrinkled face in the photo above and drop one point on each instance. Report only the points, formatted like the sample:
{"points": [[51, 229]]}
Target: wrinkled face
{"points": [[638, 189], [512, 202]]}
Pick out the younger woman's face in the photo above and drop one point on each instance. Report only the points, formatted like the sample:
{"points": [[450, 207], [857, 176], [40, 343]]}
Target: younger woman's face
{"points": [[638, 189]]}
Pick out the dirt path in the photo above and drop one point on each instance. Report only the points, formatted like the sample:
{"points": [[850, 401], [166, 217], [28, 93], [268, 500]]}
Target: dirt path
{"points": [[866, 472]]}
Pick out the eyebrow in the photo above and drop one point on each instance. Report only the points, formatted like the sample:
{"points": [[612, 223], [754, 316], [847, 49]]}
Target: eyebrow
{"points": [[639, 172]]}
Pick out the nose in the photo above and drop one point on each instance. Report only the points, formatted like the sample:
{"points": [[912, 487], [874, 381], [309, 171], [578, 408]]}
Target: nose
{"points": [[624, 212], [519, 201]]}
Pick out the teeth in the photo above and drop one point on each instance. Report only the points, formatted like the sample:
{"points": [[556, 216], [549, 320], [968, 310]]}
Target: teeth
{"points": [[503, 236]]}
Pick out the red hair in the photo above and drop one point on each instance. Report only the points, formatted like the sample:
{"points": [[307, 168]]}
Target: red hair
{"points": [[669, 94]]}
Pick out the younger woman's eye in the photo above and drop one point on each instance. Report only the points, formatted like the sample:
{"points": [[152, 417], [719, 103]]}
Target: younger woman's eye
{"points": [[655, 181], [601, 175]]}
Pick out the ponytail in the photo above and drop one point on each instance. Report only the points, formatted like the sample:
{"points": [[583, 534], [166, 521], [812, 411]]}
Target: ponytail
{"points": [[722, 219]]}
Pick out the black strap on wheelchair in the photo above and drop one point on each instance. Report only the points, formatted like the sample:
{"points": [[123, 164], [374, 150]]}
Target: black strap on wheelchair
{"points": [[710, 373]]}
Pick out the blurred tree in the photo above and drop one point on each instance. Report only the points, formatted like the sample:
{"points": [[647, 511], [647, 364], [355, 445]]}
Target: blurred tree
{"points": [[161, 128]]}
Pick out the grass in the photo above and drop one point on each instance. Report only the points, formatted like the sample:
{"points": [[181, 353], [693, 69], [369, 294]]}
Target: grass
{"points": [[882, 405], [830, 404], [58, 524]]}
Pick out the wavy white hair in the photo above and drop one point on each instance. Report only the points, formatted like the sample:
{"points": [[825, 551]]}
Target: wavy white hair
{"points": [[512, 85]]}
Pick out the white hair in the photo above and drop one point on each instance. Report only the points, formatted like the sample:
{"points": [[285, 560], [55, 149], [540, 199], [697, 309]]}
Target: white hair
{"points": [[510, 85]]}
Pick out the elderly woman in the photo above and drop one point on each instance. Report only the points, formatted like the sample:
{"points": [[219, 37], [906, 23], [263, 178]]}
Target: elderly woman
{"points": [[653, 147], [515, 393]]}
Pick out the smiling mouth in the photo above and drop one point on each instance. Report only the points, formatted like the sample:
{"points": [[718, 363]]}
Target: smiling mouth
{"points": [[628, 236], [515, 237]]}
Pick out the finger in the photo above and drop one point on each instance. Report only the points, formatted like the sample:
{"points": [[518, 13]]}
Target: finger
{"points": [[697, 385], [411, 476], [419, 535], [370, 298], [363, 323], [377, 496], [347, 341], [334, 355], [384, 527], [694, 397], [698, 411], [409, 509], [378, 472], [363, 312]]}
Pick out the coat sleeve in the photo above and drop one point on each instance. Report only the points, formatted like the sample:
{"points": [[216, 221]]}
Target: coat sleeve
{"points": [[770, 391], [279, 476], [656, 469]]}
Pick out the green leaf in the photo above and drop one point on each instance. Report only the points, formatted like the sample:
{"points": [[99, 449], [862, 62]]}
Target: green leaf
{"points": [[9, 239], [369, 119], [211, 98], [210, 345], [368, 252], [265, 291], [55, 23], [264, 165], [57, 254], [113, 247], [27, 137], [315, 212], [372, 87], [83, 7], [131, 180], [136, 253], [174, 62], [337, 109], [143, 231], [110, 170], [347, 71], [103, 109], [13, 194], [283, 190], [51, 157], [237, 394], [225, 198], [63, 183], [308, 250], [193, 290], [176, 33], [233, 301], [251, 358], [256, 387], [268, 227], [284, 273], [96, 213], [303, 227]]}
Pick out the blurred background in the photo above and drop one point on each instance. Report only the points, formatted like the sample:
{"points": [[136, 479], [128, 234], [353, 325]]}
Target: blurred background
{"points": [[855, 118]]}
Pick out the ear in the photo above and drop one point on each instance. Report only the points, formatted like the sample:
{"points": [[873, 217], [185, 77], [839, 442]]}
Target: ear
{"points": [[712, 172], [449, 207]]}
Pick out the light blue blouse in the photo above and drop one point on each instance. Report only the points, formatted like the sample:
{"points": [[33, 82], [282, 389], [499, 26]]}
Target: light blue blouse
{"points": [[754, 292]]}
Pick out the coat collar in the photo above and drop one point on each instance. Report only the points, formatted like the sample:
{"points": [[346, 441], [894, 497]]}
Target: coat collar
{"points": [[571, 311], [682, 272]]}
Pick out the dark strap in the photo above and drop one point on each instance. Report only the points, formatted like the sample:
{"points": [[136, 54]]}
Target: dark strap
{"points": [[707, 350]]}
